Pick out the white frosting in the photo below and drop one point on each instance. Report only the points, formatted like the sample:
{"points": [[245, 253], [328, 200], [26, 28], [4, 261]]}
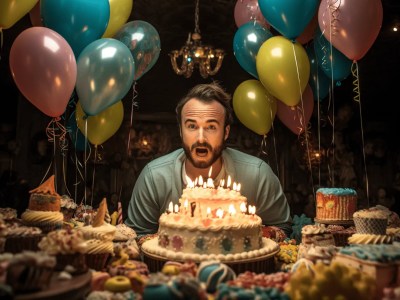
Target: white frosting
{"points": [[314, 229], [35, 216], [269, 247], [104, 232]]}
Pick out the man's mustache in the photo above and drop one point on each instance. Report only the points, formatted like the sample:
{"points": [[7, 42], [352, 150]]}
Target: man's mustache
{"points": [[204, 145]]}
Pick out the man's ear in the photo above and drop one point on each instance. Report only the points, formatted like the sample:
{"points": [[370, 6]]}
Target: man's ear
{"points": [[227, 130]]}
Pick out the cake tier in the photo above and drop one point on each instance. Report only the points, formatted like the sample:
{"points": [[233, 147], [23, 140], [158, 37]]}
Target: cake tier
{"points": [[335, 204], [44, 202], [228, 235], [268, 248], [204, 199]]}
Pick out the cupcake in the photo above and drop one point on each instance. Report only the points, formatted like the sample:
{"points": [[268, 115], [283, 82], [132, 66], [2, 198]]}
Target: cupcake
{"points": [[341, 234], [8, 214], [370, 221], [44, 208], [30, 271], [20, 238], [68, 247], [99, 236], [68, 207]]}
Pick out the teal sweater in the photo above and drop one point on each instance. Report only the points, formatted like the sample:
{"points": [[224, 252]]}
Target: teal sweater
{"points": [[160, 182]]}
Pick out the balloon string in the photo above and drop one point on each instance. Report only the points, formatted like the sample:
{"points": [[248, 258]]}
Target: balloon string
{"points": [[303, 128], [133, 104], [94, 173], [85, 164], [263, 148], [357, 98]]}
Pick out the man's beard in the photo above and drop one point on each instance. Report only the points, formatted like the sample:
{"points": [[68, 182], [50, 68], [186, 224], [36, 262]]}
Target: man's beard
{"points": [[216, 153]]}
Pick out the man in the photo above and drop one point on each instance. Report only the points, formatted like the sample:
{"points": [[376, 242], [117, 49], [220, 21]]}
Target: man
{"points": [[204, 116]]}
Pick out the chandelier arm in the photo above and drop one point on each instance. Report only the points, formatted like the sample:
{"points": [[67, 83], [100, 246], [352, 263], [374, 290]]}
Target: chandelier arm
{"points": [[217, 66]]}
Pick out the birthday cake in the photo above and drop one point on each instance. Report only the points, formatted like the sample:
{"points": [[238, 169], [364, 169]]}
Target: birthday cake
{"points": [[210, 223], [336, 203]]}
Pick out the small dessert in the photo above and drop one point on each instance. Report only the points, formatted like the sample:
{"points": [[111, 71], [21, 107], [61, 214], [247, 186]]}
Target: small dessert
{"points": [[20, 238], [335, 203], [68, 207], [213, 273], [370, 221]]}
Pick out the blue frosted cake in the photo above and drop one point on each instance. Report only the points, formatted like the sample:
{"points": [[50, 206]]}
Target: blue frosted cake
{"points": [[336, 203]]}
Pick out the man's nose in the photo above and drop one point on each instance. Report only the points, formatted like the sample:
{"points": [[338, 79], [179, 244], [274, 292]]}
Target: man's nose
{"points": [[201, 136]]}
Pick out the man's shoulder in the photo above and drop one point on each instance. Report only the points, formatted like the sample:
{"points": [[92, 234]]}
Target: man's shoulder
{"points": [[240, 157], [165, 160]]}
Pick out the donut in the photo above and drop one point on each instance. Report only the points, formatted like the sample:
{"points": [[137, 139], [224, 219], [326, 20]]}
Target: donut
{"points": [[117, 284]]}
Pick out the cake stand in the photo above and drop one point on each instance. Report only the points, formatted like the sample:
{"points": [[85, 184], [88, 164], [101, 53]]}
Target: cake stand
{"points": [[260, 264]]}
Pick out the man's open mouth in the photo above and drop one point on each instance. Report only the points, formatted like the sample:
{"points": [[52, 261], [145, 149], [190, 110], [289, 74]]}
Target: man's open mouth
{"points": [[202, 152]]}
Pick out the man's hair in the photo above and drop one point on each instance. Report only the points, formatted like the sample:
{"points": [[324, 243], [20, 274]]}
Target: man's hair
{"points": [[208, 93]]}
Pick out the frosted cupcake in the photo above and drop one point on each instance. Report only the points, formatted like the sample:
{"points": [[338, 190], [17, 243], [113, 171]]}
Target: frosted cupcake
{"points": [[99, 236], [68, 207], [370, 221], [44, 208], [20, 238], [68, 247]]}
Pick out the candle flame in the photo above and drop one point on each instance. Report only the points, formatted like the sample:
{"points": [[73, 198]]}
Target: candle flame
{"points": [[219, 213], [170, 207], [231, 210], [208, 211], [222, 182], [238, 187], [234, 186], [201, 180], [186, 204], [210, 172], [228, 184], [243, 207], [176, 208], [210, 183], [189, 181]]}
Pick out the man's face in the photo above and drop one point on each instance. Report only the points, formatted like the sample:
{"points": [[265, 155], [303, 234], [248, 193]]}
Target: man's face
{"points": [[202, 132]]}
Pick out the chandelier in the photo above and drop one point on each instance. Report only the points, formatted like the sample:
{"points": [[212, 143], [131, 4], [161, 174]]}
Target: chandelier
{"points": [[194, 54]]}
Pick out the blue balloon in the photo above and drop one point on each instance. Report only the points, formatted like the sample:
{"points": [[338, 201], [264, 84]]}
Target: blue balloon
{"points": [[319, 82], [289, 17], [79, 141], [333, 63], [143, 41], [247, 41], [105, 74], [80, 22]]}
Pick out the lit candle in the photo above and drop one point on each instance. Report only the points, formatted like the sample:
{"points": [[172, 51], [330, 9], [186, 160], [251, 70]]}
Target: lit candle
{"points": [[243, 207], [231, 210], [208, 212], [170, 208], [185, 206], [210, 183], [252, 210], [219, 213], [200, 181], [228, 184], [238, 187], [234, 186], [176, 208], [210, 172], [189, 182]]}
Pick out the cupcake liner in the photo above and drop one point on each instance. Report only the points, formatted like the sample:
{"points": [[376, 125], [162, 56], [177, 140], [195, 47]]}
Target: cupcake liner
{"points": [[97, 261], [17, 244], [46, 227], [26, 278], [75, 260], [370, 225]]}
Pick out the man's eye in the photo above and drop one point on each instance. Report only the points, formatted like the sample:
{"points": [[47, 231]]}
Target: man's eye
{"points": [[191, 126], [211, 127]]}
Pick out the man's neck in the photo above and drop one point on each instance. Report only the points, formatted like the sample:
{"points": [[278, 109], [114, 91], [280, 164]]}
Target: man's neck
{"points": [[194, 172]]}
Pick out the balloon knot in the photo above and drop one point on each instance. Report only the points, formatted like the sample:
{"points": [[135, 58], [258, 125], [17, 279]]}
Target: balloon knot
{"points": [[84, 117]]}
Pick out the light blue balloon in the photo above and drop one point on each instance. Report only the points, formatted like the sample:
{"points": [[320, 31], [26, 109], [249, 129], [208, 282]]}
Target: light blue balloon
{"points": [[319, 82], [105, 74], [143, 41], [289, 17], [247, 41], [79, 22], [333, 63]]}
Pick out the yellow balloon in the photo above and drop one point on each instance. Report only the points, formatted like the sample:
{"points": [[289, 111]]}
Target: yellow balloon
{"points": [[280, 65], [101, 127], [120, 10], [11, 11], [254, 106]]}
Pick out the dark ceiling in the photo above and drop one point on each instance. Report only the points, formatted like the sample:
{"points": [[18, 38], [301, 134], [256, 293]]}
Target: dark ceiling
{"points": [[160, 88]]}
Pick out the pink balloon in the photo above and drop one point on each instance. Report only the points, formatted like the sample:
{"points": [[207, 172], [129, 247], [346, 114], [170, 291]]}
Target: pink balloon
{"points": [[309, 32], [248, 10], [34, 15], [351, 26], [44, 69], [293, 117]]}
